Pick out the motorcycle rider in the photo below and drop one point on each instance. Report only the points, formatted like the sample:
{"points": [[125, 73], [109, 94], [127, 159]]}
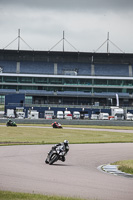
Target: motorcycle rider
{"points": [[56, 125], [63, 145], [10, 121]]}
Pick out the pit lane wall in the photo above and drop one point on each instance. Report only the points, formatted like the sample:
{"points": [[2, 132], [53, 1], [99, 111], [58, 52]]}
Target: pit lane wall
{"points": [[71, 122]]}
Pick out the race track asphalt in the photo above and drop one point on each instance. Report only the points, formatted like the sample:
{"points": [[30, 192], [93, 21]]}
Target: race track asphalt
{"points": [[22, 169]]}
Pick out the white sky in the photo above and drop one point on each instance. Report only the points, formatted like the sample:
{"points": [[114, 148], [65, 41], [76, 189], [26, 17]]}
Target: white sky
{"points": [[85, 23]]}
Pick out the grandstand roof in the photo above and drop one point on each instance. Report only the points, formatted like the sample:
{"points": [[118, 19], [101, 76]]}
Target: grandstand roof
{"points": [[60, 56]]}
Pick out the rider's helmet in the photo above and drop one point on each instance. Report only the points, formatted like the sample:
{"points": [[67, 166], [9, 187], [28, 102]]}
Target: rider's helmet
{"points": [[66, 142]]}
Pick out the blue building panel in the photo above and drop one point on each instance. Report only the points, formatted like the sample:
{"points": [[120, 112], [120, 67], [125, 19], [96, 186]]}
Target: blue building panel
{"points": [[36, 67], [8, 66], [111, 70]]}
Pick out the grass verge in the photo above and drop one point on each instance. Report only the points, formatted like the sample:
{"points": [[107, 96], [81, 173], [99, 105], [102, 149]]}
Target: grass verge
{"points": [[4, 195], [35, 135], [125, 166]]}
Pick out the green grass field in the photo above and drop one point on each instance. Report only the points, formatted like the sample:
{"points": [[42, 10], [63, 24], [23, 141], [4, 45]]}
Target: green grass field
{"points": [[5, 195], [36, 135]]}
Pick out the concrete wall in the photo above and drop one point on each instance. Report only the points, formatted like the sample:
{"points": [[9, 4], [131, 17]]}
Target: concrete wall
{"points": [[72, 122]]}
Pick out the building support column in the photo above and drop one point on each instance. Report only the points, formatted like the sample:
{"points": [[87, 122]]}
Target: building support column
{"points": [[92, 70], [130, 70], [18, 68], [55, 68]]}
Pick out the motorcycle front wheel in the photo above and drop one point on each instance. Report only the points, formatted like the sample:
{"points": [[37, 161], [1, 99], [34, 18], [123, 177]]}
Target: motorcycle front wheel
{"points": [[46, 161], [53, 159]]}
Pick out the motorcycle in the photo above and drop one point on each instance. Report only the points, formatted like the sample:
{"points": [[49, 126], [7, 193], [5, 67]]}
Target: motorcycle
{"points": [[55, 154], [56, 125], [11, 123]]}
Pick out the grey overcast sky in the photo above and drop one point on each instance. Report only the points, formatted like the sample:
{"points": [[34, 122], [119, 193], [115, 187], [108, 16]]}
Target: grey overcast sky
{"points": [[85, 23]]}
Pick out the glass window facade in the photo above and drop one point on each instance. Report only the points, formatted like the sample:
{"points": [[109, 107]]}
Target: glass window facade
{"points": [[55, 81], [130, 91], [128, 82], [115, 82], [100, 82], [9, 87], [25, 79], [27, 88], [28, 99], [99, 90], [69, 89], [2, 99], [90, 85], [81, 89], [85, 81], [40, 80], [115, 90], [10, 79], [70, 81]]}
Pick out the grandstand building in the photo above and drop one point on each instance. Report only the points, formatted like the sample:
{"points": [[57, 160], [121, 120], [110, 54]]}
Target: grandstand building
{"points": [[67, 78]]}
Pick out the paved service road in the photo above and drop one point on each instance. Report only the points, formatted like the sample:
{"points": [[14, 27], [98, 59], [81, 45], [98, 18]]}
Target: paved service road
{"points": [[92, 129], [22, 169]]}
